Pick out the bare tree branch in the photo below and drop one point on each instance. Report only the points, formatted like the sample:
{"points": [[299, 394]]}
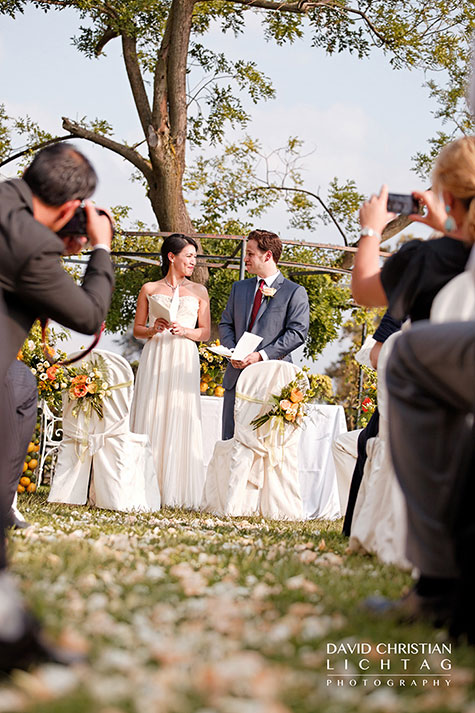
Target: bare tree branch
{"points": [[160, 102], [182, 15], [295, 190], [304, 6], [108, 35], [36, 147], [395, 226], [129, 47], [125, 151]]}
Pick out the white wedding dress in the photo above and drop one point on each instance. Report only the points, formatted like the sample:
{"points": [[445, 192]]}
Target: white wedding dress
{"points": [[167, 408]]}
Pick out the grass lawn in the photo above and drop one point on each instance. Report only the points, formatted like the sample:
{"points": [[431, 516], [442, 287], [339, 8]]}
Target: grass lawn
{"points": [[182, 612]]}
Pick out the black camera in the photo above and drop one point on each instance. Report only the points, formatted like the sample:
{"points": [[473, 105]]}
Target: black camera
{"points": [[77, 226], [402, 204]]}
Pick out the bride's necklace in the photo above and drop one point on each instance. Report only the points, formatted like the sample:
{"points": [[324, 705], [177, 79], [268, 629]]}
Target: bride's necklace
{"points": [[173, 288]]}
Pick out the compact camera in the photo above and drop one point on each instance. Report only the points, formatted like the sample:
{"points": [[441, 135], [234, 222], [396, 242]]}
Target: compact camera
{"points": [[77, 226], [402, 204]]}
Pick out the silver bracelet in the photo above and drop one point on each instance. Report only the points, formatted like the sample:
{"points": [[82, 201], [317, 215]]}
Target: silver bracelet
{"points": [[369, 231]]}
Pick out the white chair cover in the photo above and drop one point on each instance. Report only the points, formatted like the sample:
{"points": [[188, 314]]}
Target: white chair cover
{"points": [[345, 454], [101, 459], [379, 523], [456, 301], [256, 472]]}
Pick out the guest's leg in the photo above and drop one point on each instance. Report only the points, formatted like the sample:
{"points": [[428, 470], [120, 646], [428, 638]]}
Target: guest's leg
{"points": [[22, 395], [228, 413], [431, 384], [370, 431]]}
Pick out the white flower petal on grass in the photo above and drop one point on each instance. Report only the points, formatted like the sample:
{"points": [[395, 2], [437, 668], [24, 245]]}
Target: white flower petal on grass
{"points": [[12, 701], [58, 680]]}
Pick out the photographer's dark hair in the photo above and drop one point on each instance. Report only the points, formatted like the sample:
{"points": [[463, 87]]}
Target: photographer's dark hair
{"points": [[60, 173], [174, 244], [267, 241]]}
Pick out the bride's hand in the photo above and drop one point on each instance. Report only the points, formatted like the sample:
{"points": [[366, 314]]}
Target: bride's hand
{"points": [[160, 325], [177, 329]]}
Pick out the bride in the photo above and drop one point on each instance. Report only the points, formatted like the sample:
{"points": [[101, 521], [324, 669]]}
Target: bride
{"points": [[166, 403]]}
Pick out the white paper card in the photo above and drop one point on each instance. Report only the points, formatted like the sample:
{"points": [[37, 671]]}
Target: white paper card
{"points": [[159, 310], [245, 346], [175, 303]]}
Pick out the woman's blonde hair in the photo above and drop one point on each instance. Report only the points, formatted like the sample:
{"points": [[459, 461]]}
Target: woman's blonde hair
{"points": [[454, 171]]}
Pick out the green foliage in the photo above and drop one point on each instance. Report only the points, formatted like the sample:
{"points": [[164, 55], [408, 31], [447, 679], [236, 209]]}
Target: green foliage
{"points": [[344, 202], [345, 371], [320, 387], [244, 177], [13, 129]]}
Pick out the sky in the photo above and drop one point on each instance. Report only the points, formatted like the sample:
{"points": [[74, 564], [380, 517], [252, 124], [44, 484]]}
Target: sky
{"points": [[358, 119]]}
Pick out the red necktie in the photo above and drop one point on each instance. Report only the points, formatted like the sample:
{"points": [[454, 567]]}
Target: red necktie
{"points": [[256, 305]]}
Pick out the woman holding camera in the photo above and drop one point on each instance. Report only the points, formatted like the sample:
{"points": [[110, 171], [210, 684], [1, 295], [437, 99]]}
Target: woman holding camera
{"points": [[166, 403], [411, 278], [408, 283]]}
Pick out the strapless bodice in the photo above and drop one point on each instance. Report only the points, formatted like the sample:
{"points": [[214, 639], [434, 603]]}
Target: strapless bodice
{"points": [[188, 306]]}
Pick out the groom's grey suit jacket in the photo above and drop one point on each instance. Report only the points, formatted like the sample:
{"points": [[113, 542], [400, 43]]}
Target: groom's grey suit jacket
{"points": [[282, 320]]}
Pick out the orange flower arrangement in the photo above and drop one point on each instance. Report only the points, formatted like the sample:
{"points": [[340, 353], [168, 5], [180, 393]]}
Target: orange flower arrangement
{"points": [[296, 396], [289, 404], [89, 386]]}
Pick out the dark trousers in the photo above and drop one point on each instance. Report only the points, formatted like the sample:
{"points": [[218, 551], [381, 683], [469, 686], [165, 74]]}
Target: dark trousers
{"points": [[371, 430], [431, 385], [21, 396], [228, 414]]}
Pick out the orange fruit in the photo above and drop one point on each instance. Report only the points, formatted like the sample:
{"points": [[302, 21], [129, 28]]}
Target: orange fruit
{"points": [[203, 387], [219, 391], [206, 378], [20, 489], [31, 447], [31, 488], [33, 463], [25, 467], [37, 448], [25, 481]]}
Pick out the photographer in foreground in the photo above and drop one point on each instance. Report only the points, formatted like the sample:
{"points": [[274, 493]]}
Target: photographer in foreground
{"points": [[431, 381], [33, 284]]}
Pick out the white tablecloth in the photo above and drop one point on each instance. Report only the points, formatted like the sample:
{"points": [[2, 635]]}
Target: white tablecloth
{"points": [[316, 469]]}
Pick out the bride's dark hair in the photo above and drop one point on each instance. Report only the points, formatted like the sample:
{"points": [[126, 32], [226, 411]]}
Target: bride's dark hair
{"points": [[174, 244]]}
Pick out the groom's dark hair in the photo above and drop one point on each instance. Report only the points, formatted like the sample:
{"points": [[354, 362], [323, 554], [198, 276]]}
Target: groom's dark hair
{"points": [[267, 241]]}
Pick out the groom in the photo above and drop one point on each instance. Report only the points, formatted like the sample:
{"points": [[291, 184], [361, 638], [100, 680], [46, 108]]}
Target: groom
{"points": [[269, 305]]}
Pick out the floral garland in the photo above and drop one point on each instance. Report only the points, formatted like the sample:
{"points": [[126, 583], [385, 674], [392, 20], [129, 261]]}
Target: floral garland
{"points": [[50, 380]]}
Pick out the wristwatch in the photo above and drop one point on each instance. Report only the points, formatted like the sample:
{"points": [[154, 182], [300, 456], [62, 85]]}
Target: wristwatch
{"points": [[370, 232]]}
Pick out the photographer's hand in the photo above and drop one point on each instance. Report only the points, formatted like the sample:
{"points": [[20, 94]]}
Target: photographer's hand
{"points": [[366, 283], [74, 244], [99, 227], [436, 214], [374, 213]]}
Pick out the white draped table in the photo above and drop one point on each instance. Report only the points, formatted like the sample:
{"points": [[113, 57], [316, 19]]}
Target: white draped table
{"points": [[316, 469]]}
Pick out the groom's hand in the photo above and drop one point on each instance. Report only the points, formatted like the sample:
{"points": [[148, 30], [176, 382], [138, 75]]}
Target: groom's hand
{"points": [[252, 358]]}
